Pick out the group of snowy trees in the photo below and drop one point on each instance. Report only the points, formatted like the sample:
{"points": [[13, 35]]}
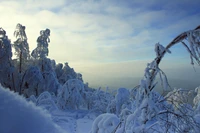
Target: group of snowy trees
{"points": [[40, 79], [142, 110], [57, 86]]}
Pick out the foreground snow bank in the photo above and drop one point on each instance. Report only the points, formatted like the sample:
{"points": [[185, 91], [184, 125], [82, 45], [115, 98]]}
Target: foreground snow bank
{"points": [[19, 116]]}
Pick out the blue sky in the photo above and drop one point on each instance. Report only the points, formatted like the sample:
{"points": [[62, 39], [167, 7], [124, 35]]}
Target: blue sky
{"points": [[90, 33]]}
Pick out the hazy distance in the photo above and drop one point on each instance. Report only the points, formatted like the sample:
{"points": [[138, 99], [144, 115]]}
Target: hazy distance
{"points": [[129, 74]]}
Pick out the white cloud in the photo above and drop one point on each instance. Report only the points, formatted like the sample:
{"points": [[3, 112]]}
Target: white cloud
{"points": [[97, 31]]}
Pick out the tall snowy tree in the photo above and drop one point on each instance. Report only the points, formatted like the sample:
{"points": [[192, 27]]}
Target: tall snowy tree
{"points": [[6, 67], [21, 45], [42, 45]]}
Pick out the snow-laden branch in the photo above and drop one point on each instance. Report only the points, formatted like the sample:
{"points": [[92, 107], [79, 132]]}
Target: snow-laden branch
{"points": [[192, 37]]}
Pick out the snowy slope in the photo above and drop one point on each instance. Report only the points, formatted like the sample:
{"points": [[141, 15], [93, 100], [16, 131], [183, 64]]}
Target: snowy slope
{"points": [[19, 116]]}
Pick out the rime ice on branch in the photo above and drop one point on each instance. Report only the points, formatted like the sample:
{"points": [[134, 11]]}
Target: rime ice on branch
{"points": [[42, 47]]}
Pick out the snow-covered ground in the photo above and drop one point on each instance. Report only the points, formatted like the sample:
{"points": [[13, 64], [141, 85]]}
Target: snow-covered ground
{"points": [[73, 121], [19, 116]]}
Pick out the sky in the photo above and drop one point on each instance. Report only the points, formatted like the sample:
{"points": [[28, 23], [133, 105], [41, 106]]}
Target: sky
{"points": [[107, 39]]}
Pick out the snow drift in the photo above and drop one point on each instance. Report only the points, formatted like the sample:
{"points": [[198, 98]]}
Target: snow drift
{"points": [[19, 116]]}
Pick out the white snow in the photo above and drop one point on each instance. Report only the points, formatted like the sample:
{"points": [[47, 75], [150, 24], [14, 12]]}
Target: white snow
{"points": [[105, 123], [19, 116]]}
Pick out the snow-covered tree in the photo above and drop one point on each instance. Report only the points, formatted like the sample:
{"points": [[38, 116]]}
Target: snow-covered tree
{"points": [[32, 82], [160, 116], [6, 68], [5, 45], [122, 100], [49, 76], [21, 45], [105, 123], [71, 95], [41, 50], [101, 101], [65, 73]]}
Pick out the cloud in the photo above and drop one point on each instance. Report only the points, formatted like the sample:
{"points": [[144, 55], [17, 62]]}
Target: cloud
{"points": [[100, 31]]}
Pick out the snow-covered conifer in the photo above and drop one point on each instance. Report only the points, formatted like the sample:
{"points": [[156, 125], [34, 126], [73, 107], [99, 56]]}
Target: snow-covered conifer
{"points": [[21, 45], [41, 50], [6, 68]]}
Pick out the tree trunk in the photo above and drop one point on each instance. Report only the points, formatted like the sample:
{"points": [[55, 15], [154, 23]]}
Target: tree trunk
{"points": [[20, 62]]}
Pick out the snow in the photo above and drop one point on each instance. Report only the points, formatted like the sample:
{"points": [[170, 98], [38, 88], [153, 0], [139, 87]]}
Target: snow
{"points": [[20, 116], [58, 101], [73, 121], [84, 125], [105, 123]]}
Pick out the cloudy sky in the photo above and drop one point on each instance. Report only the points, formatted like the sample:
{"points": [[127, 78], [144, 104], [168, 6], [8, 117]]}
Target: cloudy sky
{"points": [[106, 38]]}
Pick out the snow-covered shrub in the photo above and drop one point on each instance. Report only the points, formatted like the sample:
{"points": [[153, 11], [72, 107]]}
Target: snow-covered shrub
{"points": [[105, 123], [122, 99], [143, 116], [89, 98], [177, 97], [20, 116], [101, 100], [124, 114], [71, 95], [45, 101], [111, 108], [32, 82]]}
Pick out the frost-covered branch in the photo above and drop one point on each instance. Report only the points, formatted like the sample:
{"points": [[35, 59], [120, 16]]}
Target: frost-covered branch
{"points": [[193, 47]]}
